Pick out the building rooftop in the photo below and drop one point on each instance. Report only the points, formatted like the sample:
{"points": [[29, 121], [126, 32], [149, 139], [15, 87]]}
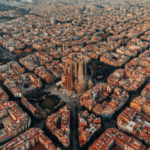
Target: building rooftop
{"points": [[62, 133], [24, 140], [14, 119], [113, 137], [20, 85]]}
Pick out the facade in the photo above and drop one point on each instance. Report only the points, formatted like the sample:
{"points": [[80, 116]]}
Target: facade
{"points": [[141, 104], [114, 59], [140, 64], [113, 136], [3, 96], [63, 133], [145, 92], [19, 121], [74, 77], [16, 84], [10, 69], [28, 62], [102, 91], [29, 106], [44, 74], [135, 123], [88, 124], [56, 67], [29, 139], [128, 79]]}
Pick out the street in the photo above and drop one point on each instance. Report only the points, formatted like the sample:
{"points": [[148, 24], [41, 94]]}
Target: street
{"points": [[6, 54], [72, 103]]}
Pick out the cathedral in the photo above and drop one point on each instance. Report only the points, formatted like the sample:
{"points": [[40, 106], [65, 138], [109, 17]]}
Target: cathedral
{"points": [[74, 77]]}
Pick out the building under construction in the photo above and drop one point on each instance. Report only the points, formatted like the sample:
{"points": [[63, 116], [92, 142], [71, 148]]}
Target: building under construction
{"points": [[74, 77]]}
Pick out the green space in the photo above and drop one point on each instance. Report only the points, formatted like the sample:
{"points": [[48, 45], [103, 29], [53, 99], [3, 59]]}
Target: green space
{"points": [[48, 102], [99, 68], [94, 67]]}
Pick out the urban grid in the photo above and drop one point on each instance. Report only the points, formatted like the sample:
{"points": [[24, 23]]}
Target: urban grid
{"points": [[74, 75]]}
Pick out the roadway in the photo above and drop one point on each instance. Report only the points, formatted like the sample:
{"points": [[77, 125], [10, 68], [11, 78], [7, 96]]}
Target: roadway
{"points": [[72, 103], [7, 54]]}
